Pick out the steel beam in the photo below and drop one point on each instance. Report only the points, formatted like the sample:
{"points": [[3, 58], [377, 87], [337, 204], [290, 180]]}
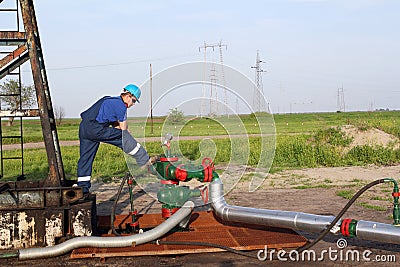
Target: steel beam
{"points": [[12, 65], [12, 55], [12, 38], [56, 176], [19, 113]]}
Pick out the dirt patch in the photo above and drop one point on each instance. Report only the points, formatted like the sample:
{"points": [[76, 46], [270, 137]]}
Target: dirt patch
{"points": [[335, 176], [371, 137]]}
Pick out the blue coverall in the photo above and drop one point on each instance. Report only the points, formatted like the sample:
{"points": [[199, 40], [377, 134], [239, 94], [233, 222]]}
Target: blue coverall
{"points": [[96, 127]]}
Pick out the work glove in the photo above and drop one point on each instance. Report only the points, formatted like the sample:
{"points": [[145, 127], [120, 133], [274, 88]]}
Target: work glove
{"points": [[149, 164], [154, 159]]}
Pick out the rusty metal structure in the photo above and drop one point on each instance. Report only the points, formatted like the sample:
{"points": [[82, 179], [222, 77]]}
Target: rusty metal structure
{"points": [[37, 213], [29, 48]]}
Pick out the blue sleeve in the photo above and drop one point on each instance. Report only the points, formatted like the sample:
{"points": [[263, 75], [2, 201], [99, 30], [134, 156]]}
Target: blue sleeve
{"points": [[112, 110]]}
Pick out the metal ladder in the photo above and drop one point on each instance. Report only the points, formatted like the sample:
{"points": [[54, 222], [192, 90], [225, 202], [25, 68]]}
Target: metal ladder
{"points": [[28, 47], [10, 64]]}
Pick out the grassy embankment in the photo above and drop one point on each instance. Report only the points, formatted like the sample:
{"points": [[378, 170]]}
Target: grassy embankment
{"points": [[303, 140]]}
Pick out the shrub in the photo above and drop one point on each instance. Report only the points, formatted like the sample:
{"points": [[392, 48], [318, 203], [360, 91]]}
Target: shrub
{"points": [[333, 136]]}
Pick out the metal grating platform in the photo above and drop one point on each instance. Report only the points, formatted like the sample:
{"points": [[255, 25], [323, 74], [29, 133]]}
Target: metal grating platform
{"points": [[203, 228]]}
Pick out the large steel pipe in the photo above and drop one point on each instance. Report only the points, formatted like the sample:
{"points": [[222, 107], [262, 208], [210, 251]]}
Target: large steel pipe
{"points": [[294, 220], [102, 242], [274, 218], [378, 232]]}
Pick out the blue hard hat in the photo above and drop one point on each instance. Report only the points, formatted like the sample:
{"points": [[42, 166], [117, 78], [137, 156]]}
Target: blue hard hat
{"points": [[134, 90]]}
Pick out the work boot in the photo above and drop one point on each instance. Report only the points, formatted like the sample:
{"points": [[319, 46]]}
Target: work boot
{"points": [[85, 186]]}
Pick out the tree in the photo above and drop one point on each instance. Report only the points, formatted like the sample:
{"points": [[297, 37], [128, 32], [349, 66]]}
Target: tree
{"points": [[59, 114], [14, 100], [175, 115]]}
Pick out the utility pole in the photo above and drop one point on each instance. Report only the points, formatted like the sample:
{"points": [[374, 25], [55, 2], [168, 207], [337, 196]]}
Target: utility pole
{"points": [[212, 75], [258, 96], [151, 98]]}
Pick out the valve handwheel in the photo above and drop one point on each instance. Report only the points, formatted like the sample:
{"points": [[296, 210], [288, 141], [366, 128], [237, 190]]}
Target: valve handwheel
{"points": [[208, 166], [207, 162]]}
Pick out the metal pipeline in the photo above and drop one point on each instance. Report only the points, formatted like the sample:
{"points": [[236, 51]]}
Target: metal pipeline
{"points": [[294, 220], [378, 232], [101, 242]]}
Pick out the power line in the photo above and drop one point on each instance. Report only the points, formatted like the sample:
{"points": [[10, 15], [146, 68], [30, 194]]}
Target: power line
{"points": [[117, 64]]}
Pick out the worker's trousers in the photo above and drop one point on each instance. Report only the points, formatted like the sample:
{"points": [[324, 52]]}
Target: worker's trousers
{"points": [[91, 133]]}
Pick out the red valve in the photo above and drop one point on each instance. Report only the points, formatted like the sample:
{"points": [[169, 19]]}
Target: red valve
{"points": [[181, 173], [207, 162]]}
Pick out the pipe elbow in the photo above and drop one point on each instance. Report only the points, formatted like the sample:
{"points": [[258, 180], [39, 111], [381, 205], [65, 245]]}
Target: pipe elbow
{"points": [[220, 208], [218, 203]]}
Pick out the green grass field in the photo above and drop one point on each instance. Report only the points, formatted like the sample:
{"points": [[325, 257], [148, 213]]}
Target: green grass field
{"points": [[388, 121], [303, 140]]}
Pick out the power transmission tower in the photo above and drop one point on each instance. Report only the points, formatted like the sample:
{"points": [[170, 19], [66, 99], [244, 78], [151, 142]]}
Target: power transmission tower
{"points": [[223, 76], [213, 92], [258, 97], [341, 107], [214, 77], [371, 106]]}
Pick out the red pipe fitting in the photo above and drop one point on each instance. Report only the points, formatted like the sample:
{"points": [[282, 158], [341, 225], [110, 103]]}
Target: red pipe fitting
{"points": [[166, 213], [173, 159], [180, 173], [344, 227], [169, 182], [134, 224], [133, 212], [348, 227]]}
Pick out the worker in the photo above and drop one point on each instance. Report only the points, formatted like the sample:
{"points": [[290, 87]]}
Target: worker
{"points": [[106, 121]]}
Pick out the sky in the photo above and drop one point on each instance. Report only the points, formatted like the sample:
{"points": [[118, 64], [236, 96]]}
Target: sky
{"points": [[309, 49]]}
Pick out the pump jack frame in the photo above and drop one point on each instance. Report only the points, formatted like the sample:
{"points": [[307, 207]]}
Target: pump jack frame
{"points": [[39, 213]]}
